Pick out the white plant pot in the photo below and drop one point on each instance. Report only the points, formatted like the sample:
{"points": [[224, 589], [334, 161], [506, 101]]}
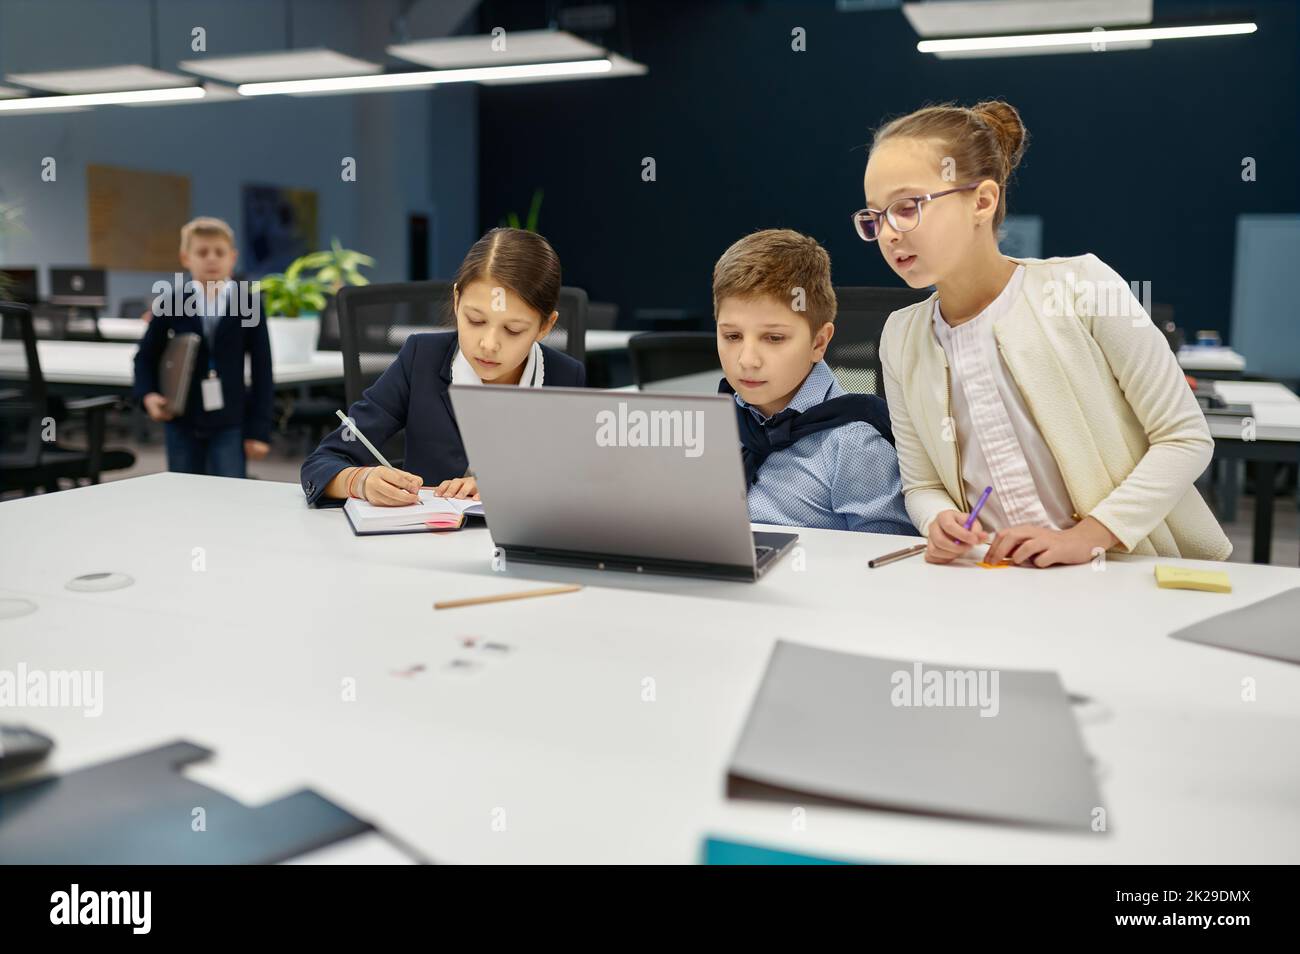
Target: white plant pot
{"points": [[293, 340]]}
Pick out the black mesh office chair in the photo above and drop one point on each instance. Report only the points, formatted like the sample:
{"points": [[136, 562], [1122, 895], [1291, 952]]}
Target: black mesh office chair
{"points": [[374, 323], [376, 320], [658, 355], [570, 332], [27, 459], [854, 352], [134, 307]]}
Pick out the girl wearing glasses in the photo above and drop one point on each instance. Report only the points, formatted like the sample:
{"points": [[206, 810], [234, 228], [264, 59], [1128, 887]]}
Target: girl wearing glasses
{"points": [[1041, 378]]}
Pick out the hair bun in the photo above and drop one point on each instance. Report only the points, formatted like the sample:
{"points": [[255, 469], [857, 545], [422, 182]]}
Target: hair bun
{"points": [[1006, 124]]}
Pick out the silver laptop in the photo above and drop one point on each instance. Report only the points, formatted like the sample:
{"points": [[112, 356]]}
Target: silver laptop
{"points": [[614, 480]]}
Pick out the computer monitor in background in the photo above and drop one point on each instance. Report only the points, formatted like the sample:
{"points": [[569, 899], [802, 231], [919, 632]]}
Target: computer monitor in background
{"points": [[78, 287], [18, 285]]}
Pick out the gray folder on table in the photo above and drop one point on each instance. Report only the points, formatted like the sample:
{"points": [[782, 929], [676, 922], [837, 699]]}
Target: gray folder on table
{"points": [[140, 809], [841, 729], [1269, 628]]}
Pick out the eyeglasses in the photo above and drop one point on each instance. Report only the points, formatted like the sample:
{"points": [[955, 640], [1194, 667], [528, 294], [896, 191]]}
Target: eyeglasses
{"points": [[903, 214]]}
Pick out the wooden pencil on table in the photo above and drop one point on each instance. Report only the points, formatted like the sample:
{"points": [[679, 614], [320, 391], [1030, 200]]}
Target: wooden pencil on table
{"points": [[502, 597]]}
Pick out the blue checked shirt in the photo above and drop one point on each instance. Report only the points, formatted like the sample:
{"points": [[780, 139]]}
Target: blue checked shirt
{"points": [[842, 478]]}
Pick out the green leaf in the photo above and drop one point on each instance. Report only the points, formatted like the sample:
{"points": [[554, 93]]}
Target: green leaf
{"points": [[534, 210]]}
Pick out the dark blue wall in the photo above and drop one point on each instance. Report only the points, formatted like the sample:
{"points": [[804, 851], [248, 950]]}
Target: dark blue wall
{"points": [[1135, 156]]}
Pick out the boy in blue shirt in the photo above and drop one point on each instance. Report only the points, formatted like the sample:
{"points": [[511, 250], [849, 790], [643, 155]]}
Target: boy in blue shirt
{"points": [[224, 422], [814, 455]]}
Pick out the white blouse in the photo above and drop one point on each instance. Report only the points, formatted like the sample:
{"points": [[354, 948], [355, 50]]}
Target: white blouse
{"points": [[1001, 446]]}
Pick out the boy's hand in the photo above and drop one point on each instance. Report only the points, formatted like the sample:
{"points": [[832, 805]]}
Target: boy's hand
{"points": [[1043, 546], [948, 538], [255, 450], [463, 487], [155, 405], [390, 487]]}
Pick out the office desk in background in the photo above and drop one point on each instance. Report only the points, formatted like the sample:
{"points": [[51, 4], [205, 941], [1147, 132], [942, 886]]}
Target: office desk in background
{"points": [[121, 329], [132, 329], [1212, 362], [108, 366], [560, 741], [1275, 440]]}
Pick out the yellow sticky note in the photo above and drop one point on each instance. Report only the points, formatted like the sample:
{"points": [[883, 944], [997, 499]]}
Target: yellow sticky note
{"points": [[1001, 565], [1182, 578]]}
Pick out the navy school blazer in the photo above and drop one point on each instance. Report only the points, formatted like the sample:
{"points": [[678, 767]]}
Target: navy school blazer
{"points": [[248, 408], [412, 394]]}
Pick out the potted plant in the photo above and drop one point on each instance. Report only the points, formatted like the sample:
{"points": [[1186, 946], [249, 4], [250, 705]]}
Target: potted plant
{"points": [[293, 299], [534, 215], [337, 266]]}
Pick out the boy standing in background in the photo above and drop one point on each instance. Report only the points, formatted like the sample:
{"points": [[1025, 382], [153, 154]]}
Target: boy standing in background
{"points": [[225, 422]]}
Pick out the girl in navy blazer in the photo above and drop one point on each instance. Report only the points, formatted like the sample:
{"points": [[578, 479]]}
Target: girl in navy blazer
{"points": [[504, 299]]}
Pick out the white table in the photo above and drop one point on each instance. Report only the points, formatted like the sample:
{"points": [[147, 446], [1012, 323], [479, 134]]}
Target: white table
{"points": [[121, 329], [705, 382], [601, 339], [1194, 358], [132, 329], [1274, 438], [109, 365], [248, 657]]}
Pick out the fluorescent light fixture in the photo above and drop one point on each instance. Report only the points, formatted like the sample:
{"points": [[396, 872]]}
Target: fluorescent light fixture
{"points": [[279, 65], [120, 98], [987, 17], [212, 93], [619, 66], [101, 79], [354, 84], [9, 92], [218, 92], [524, 46], [1075, 41]]}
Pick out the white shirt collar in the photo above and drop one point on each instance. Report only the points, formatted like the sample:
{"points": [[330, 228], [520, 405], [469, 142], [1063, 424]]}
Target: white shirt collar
{"points": [[462, 372]]}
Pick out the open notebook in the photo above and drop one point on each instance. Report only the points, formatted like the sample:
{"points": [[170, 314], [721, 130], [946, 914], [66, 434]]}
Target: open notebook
{"points": [[431, 513]]}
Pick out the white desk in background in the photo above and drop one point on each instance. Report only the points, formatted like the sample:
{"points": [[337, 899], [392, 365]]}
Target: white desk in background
{"points": [[1210, 359], [1275, 439], [109, 365], [132, 329], [601, 339], [248, 657], [121, 329]]}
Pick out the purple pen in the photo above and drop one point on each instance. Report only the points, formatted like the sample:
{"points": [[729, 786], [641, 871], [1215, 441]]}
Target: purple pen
{"points": [[970, 521]]}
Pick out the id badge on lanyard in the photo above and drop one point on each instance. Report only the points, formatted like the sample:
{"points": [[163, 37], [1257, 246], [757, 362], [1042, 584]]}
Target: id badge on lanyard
{"points": [[211, 385]]}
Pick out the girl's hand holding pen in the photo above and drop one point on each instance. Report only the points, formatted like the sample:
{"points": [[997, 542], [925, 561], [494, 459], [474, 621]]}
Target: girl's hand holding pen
{"points": [[390, 487], [949, 539]]}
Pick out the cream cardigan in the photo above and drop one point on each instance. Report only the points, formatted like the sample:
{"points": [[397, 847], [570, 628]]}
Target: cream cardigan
{"points": [[1104, 389]]}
